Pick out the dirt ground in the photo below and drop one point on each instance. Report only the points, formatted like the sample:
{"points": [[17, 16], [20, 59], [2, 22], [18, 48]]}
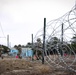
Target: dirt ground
{"points": [[13, 66]]}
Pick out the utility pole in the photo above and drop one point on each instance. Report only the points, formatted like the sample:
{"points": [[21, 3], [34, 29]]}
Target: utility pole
{"points": [[75, 4], [8, 40], [62, 33], [32, 40], [44, 34], [32, 46]]}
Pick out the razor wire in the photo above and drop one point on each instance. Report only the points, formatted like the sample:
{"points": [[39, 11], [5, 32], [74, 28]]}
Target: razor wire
{"points": [[65, 56]]}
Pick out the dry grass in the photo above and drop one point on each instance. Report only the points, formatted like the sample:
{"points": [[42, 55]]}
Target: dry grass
{"points": [[11, 65], [42, 68], [23, 67]]}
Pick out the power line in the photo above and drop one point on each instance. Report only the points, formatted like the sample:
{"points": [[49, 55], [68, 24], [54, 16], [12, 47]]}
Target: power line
{"points": [[2, 31]]}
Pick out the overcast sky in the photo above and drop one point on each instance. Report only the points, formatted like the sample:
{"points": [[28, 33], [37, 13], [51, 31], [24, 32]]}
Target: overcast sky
{"points": [[21, 18]]}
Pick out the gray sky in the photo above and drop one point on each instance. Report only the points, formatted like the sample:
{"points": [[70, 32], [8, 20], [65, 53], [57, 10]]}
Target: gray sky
{"points": [[21, 18]]}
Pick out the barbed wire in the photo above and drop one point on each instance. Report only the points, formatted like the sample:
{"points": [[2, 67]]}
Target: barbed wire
{"points": [[65, 59]]}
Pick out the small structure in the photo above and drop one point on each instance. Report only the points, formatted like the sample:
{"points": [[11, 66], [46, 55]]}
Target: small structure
{"points": [[13, 52], [26, 52]]}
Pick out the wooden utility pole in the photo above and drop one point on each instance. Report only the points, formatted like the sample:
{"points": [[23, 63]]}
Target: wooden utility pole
{"points": [[32, 40], [32, 46], [44, 34], [62, 33]]}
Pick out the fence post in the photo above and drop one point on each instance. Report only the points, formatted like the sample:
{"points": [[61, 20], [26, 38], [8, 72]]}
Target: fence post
{"points": [[44, 31]]}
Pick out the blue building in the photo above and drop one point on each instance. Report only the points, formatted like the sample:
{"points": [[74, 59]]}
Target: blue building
{"points": [[27, 52], [13, 52]]}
